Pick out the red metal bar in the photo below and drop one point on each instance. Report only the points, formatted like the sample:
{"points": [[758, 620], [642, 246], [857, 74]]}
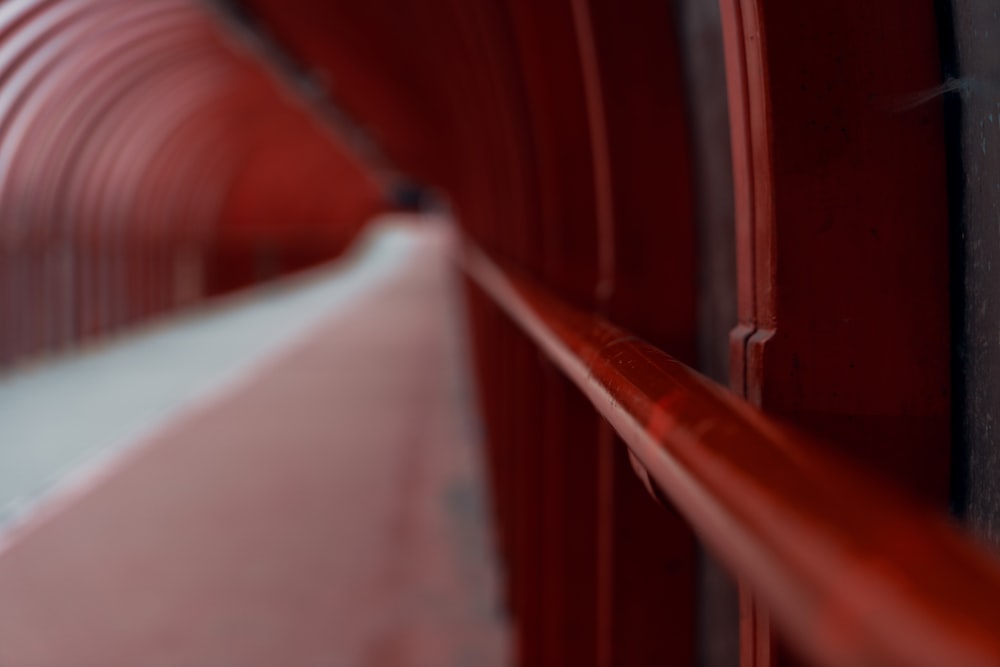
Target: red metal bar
{"points": [[854, 570]]}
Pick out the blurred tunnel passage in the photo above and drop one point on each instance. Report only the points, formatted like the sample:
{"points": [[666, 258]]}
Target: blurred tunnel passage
{"points": [[194, 473], [148, 159], [720, 271]]}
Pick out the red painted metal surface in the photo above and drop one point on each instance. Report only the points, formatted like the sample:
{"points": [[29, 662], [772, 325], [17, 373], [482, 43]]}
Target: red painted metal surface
{"points": [[844, 282], [842, 231], [149, 160], [842, 559], [646, 267], [558, 131]]}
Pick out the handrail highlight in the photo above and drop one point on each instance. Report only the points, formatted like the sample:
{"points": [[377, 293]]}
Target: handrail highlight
{"points": [[855, 571]]}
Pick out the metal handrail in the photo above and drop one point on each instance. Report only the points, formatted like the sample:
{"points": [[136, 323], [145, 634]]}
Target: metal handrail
{"points": [[855, 571]]}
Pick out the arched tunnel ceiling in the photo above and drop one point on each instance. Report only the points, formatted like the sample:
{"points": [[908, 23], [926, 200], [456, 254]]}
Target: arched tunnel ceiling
{"points": [[149, 160]]}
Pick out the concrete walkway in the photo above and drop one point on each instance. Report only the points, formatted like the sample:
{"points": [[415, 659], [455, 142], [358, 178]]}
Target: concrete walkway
{"points": [[307, 490]]}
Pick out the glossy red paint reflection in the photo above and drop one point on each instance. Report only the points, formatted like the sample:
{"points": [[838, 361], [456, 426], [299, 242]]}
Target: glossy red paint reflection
{"points": [[855, 571]]}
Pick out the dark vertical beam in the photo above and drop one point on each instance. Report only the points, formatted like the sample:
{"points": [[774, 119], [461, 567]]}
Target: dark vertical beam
{"points": [[703, 61], [975, 107]]}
